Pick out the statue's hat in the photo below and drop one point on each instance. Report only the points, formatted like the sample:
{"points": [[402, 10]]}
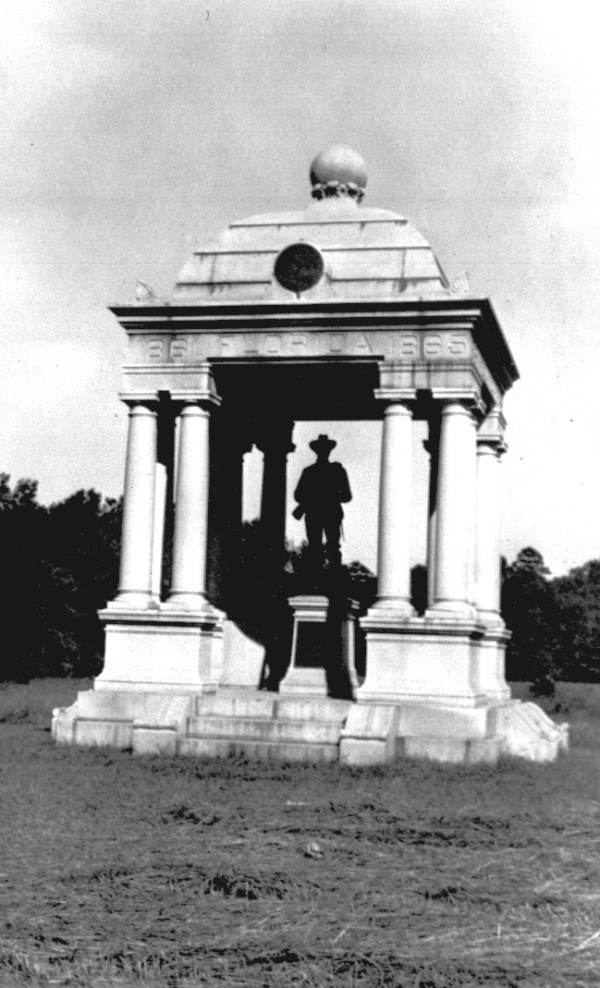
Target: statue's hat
{"points": [[322, 443]]}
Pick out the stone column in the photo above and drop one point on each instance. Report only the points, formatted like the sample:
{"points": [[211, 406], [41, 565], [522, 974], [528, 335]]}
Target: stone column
{"points": [[490, 448], [432, 445], [393, 549], [232, 511], [455, 507], [135, 582], [470, 482], [163, 493], [275, 443], [228, 447], [160, 504], [188, 579]]}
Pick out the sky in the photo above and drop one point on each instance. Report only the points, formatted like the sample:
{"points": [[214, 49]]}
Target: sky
{"points": [[135, 130]]}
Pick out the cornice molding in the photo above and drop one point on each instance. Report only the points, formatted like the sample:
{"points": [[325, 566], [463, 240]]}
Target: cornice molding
{"points": [[475, 315]]}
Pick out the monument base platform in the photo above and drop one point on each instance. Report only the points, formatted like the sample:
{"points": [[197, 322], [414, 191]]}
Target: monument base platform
{"points": [[310, 729]]}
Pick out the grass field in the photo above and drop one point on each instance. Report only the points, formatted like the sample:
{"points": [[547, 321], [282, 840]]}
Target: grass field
{"points": [[122, 871]]}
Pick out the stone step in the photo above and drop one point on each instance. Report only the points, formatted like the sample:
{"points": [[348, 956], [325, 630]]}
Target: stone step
{"points": [[461, 752], [255, 703], [236, 703], [264, 729], [206, 747]]}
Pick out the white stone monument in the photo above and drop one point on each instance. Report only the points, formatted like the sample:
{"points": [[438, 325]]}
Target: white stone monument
{"points": [[336, 311]]}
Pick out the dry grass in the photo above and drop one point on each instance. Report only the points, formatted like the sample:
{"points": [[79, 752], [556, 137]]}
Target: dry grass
{"points": [[175, 872]]}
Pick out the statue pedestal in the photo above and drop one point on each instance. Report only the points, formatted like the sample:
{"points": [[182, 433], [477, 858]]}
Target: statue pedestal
{"points": [[306, 673], [323, 647]]}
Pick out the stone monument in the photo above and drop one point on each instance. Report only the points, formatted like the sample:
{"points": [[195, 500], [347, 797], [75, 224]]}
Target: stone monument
{"points": [[338, 311]]}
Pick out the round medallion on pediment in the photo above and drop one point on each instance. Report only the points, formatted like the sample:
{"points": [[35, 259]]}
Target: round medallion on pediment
{"points": [[299, 267]]}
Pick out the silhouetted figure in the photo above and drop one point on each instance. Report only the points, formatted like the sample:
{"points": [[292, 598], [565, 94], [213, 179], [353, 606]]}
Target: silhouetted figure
{"points": [[322, 489]]}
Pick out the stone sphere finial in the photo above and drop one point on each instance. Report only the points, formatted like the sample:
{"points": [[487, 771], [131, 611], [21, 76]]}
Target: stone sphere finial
{"points": [[338, 171]]}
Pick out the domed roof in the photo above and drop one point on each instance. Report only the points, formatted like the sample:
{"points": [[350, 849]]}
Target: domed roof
{"points": [[333, 250]]}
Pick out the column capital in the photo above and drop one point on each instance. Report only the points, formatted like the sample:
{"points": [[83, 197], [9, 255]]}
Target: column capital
{"points": [[471, 401], [490, 446], [141, 407], [275, 437], [395, 396], [490, 434], [457, 406], [196, 408], [205, 404], [399, 408]]}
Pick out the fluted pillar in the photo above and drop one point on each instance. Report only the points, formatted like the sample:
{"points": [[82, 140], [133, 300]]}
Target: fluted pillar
{"points": [[188, 575], [487, 553], [135, 581], [393, 548], [455, 509]]}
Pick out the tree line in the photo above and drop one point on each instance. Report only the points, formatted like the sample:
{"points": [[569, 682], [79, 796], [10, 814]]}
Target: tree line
{"points": [[61, 563], [555, 623]]}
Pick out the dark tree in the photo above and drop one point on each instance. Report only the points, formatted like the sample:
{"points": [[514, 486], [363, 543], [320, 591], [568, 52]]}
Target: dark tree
{"points": [[60, 566], [25, 578], [555, 623], [528, 607], [578, 638], [83, 540]]}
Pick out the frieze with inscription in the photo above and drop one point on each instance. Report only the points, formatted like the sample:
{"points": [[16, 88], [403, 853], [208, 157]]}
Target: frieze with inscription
{"points": [[409, 345]]}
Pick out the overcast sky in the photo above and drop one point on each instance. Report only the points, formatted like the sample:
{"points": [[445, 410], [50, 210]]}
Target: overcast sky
{"points": [[134, 130]]}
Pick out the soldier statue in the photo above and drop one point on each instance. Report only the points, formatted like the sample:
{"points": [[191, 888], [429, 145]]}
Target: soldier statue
{"points": [[322, 489]]}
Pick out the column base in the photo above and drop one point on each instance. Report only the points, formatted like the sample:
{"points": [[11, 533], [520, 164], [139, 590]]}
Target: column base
{"points": [[194, 602], [491, 619], [490, 652], [451, 610], [134, 600], [392, 608], [417, 660], [161, 650]]}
